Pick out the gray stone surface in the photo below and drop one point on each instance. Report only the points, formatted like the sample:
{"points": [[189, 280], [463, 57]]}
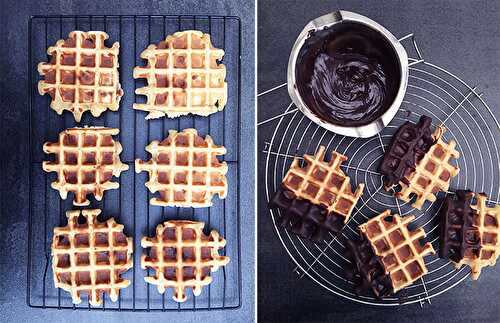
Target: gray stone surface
{"points": [[460, 36], [14, 149]]}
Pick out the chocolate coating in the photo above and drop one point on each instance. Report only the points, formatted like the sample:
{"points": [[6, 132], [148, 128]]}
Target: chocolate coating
{"points": [[366, 270], [304, 218], [409, 145], [347, 74], [459, 235]]}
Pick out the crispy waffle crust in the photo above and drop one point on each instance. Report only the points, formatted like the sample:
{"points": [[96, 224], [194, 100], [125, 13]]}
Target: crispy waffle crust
{"points": [[419, 163], [183, 75], [304, 218], [182, 257], [323, 183], [85, 161], [399, 249], [82, 74], [90, 257], [470, 233], [185, 170]]}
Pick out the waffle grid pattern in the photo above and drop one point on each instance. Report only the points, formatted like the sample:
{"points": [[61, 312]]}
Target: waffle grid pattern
{"points": [[85, 161], [82, 75], [323, 183], [182, 257], [90, 257], [185, 170], [432, 174], [487, 223], [183, 76], [399, 248]]}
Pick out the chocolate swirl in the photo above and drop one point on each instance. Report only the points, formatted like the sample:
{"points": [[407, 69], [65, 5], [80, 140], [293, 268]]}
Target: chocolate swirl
{"points": [[348, 87]]}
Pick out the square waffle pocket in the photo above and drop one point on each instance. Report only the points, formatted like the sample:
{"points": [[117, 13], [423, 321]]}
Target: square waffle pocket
{"points": [[90, 257], [182, 257], [82, 74], [185, 170], [184, 76]]}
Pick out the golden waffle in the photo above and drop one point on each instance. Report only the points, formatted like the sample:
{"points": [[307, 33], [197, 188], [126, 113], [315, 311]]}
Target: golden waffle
{"points": [[91, 257], [82, 74], [432, 173], [182, 257], [185, 170], [85, 161], [399, 249], [323, 183], [487, 234], [183, 76]]}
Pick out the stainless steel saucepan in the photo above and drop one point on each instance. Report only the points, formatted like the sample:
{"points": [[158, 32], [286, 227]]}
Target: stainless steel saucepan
{"points": [[400, 59]]}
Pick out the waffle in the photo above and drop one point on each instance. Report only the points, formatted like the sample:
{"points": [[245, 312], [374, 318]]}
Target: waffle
{"points": [[184, 76], [91, 257], [323, 183], [85, 161], [366, 270], [408, 147], [185, 170], [304, 218], [398, 248], [182, 257], [470, 233], [82, 74], [432, 174]]}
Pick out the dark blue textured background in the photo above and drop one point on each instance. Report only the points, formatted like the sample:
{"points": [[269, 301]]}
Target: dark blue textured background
{"points": [[460, 36], [14, 154]]}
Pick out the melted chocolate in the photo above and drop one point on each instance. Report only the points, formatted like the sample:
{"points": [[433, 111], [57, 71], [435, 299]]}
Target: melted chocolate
{"points": [[347, 74]]}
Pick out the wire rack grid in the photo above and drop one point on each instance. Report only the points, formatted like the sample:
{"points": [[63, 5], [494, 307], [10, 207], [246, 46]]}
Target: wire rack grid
{"points": [[129, 204], [432, 91]]}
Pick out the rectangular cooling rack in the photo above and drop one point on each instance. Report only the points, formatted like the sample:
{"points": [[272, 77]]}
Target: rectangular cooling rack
{"points": [[129, 204]]}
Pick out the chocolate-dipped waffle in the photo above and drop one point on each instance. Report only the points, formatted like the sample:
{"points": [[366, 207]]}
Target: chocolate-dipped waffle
{"points": [[316, 198], [395, 248], [470, 233], [419, 166]]}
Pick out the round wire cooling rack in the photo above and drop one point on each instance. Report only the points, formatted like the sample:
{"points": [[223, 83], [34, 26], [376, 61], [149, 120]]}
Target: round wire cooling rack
{"points": [[432, 91]]}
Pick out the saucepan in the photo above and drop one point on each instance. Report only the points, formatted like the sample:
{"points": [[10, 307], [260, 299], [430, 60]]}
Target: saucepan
{"points": [[348, 74]]}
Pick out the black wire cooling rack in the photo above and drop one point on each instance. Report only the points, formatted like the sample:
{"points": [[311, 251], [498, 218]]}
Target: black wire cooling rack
{"points": [[129, 204], [432, 91]]}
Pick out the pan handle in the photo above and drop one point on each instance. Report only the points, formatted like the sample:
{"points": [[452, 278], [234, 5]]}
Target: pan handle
{"points": [[419, 59]]}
